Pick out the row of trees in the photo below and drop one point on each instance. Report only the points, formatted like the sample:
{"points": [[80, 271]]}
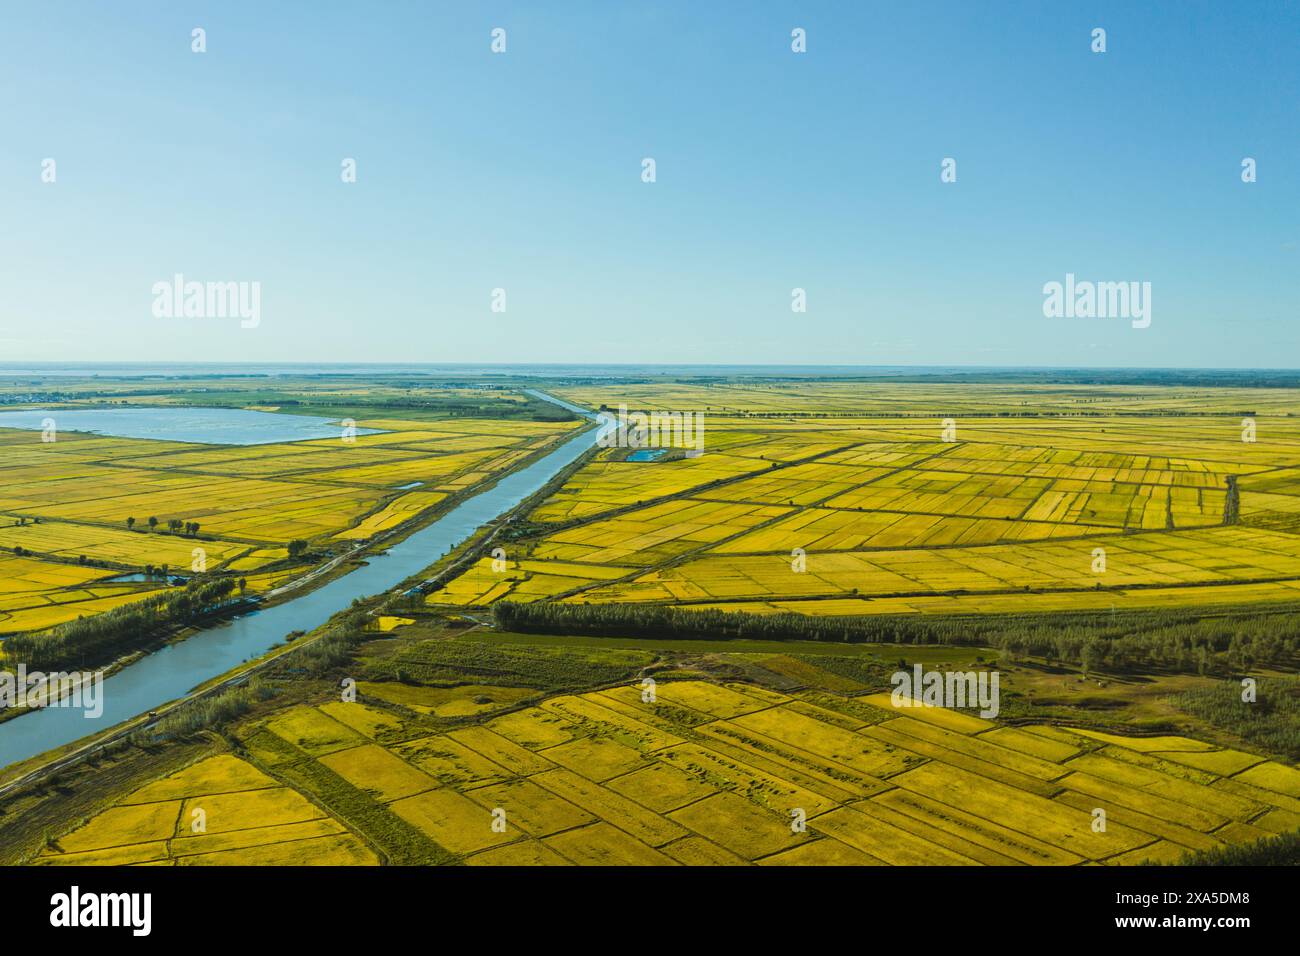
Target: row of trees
{"points": [[1177, 640], [92, 641], [315, 659], [174, 525], [1271, 850], [1270, 720]]}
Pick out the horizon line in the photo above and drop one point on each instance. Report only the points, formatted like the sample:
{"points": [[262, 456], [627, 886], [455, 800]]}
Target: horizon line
{"points": [[10, 366]]}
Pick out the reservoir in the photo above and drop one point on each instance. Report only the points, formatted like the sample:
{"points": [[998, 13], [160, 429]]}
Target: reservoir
{"points": [[175, 670], [207, 426]]}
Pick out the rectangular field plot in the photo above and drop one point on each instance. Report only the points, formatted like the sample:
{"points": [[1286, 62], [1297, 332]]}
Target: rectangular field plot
{"points": [[655, 532], [219, 811], [706, 775], [1218, 556], [824, 511], [92, 499]]}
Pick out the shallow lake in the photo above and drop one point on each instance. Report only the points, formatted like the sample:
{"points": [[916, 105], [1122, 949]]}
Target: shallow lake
{"points": [[210, 426]]}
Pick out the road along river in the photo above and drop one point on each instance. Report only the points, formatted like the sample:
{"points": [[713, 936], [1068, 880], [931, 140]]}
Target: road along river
{"points": [[173, 671]]}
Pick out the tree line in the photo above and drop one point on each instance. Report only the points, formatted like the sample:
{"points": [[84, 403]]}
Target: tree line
{"points": [[1181, 640], [91, 641], [174, 525]]}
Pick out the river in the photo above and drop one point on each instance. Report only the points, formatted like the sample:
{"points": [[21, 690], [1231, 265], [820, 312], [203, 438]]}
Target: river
{"points": [[175, 670]]}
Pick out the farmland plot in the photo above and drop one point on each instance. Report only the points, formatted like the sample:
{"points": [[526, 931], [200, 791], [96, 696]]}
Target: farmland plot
{"points": [[705, 774], [817, 508], [101, 500]]}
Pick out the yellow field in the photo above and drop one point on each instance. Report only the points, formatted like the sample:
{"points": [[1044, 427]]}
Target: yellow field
{"points": [[933, 399], [394, 513], [107, 543], [219, 812], [521, 581], [70, 499], [262, 493], [37, 594], [1219, 555], [1040, 499], [712, 774]]}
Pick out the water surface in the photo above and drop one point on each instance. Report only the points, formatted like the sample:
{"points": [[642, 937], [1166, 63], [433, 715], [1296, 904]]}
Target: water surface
{"points": [[211, 426]]}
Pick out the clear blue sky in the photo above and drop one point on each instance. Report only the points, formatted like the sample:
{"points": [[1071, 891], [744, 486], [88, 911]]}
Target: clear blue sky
{"points": [[775, 170]]}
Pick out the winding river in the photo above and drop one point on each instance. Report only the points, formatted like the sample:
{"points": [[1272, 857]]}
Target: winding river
{"points": [[175, 670]]}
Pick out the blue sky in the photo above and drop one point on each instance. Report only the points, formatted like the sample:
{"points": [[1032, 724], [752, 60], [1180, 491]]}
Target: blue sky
{"points": [[775, 170]]}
